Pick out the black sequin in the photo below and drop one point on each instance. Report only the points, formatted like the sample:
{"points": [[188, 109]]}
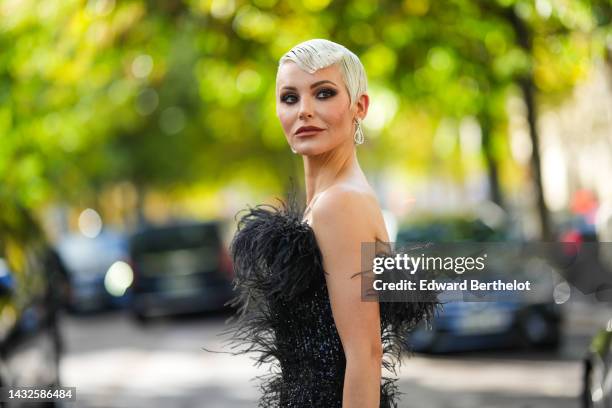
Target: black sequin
{"points": [[284, 314]]}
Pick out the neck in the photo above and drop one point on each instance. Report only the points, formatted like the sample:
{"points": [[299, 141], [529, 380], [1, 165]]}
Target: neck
{"points": [[324, 170]]}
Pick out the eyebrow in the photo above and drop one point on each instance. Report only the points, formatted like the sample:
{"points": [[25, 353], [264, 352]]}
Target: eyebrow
{"points": [[292, 88]]}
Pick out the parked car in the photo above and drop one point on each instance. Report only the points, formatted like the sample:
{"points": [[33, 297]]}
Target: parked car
{"points": [[30, 290], [180, 269], [463, 326], [98, 270], [470, 326], [597, 379]]}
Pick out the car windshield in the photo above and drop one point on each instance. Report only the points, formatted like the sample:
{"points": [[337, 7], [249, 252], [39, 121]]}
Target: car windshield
{"points": [[177, 251]]}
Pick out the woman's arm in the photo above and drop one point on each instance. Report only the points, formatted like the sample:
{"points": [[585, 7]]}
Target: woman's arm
{"points": [[342, 220]]}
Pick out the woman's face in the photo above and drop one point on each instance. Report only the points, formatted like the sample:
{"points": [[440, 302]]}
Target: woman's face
{"points": [[319, 100]]}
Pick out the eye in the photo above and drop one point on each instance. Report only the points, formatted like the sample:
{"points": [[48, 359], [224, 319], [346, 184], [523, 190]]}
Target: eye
{"points": [[327, 92], [289, 98]]}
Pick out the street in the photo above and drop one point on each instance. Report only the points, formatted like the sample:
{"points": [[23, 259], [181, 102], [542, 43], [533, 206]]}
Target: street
{"points": [[115, 362]]}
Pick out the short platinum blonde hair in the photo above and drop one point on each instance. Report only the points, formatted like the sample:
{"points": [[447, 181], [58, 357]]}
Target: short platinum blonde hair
{"points": [[317, 53]]}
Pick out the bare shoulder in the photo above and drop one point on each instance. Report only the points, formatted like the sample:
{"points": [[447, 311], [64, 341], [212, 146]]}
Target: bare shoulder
{"points": [[340, 201], [351, 209]]}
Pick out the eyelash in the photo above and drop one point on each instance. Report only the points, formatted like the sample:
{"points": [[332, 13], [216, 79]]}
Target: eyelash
{"points": [[331, 93]]}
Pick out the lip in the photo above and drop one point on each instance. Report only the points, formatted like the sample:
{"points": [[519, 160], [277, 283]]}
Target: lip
{"points": [[304, 130]]}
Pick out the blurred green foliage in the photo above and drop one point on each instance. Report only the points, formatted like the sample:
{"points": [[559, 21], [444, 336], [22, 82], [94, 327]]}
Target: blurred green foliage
{"points": [[177, 92]]}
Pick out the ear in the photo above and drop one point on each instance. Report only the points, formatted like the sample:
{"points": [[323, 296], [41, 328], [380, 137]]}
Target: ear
{"points": [[362, 105]]}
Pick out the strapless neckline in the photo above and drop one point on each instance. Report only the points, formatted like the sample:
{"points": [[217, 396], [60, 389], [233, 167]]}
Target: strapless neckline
{"points": [[284, 312]]}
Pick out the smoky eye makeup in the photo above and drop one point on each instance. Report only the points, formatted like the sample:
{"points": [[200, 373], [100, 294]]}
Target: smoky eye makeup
{"points": [[326, 92], [288, 98]]}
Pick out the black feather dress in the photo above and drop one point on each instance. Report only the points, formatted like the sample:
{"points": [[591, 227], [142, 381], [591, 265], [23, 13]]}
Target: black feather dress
{"points": [[284, 314]]}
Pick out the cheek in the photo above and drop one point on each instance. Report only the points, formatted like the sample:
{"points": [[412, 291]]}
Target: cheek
{"points": [[335, 115], [285, 117]]}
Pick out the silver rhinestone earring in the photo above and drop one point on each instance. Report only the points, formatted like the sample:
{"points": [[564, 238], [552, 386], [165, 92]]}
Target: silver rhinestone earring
{"points": [[359, 137]]}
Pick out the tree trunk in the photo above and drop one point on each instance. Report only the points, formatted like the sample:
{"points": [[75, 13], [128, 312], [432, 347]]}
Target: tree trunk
{"points": [[536, 167], [490, 160], [528, 89]]}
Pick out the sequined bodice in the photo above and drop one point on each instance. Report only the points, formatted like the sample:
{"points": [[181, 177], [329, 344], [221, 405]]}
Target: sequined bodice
{"points": [[311, 351]]}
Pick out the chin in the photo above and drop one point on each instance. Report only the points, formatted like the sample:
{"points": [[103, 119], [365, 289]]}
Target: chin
{"points": [[310, 150], [313, 146]]}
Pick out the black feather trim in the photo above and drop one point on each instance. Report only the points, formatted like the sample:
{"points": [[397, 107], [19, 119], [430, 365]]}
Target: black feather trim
{"points": [[275, 254]]}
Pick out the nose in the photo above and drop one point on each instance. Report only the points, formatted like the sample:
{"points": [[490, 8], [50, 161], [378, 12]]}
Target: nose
{"points": [[305, 109]]}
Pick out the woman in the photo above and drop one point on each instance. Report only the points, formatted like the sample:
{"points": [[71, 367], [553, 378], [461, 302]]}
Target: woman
{"points": [[300, 302]]}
